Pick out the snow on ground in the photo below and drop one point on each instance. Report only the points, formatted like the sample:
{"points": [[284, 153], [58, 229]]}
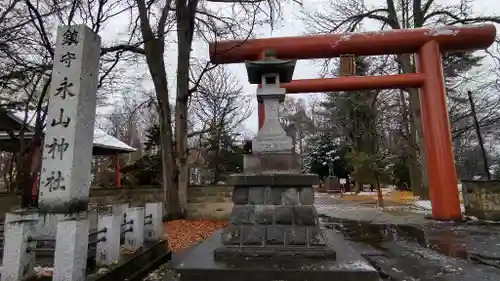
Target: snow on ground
{"points": [[423, 204], [426, 206], [43, 271], [385, 190]]}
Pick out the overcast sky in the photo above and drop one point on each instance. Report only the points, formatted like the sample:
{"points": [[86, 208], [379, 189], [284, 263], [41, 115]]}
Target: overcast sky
{"points": [[291, 25]]}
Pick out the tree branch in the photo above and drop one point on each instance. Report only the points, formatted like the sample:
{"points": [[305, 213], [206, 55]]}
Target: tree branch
{"points": [[123, 47]]}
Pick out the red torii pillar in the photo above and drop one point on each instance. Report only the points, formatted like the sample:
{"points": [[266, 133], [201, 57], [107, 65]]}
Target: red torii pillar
{"points": [[116, 159], [426, 42]]}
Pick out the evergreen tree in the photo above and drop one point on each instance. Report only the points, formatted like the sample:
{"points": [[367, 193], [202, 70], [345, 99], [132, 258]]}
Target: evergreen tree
{"points": [[223, 156], [328, 157], [351, 120]]}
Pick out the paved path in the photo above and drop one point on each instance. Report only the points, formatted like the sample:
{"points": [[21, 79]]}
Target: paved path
{"points": [[404, 246], [332, 206]]}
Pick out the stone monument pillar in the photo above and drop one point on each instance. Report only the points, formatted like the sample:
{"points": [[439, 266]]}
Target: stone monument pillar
{"points": [[273, 214], [69, 134], [67, 152]]}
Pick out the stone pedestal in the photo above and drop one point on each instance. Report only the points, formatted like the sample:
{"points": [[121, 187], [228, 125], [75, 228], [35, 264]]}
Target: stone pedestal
{"points": [[273, 216]]}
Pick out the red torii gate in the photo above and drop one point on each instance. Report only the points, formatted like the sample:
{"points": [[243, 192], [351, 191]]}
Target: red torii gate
{"points": [[428, 43]]}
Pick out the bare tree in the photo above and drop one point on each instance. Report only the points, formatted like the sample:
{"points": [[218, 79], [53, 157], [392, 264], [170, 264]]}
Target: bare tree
{"points": [[193, 19], [129, 118], [219, 104], [220, 101], [298, 123]]}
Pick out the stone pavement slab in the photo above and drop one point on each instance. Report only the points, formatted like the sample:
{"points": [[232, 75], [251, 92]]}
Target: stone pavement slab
{"points": [[348, 265]]}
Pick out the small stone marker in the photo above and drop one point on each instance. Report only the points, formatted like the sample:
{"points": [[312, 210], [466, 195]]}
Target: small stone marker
{"points": [[120, 209], [18, 262], [135, 239], [93, 217], [67, 155], [108, 251], [153, 231], [47, 224], [70, 258]]}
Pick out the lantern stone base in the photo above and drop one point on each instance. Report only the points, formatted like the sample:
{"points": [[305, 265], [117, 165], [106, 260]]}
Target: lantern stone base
{"points": [[273, 216]]}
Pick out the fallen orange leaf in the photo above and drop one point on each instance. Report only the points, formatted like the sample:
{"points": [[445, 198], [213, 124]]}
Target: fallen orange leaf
{"points": [[183, 233]]}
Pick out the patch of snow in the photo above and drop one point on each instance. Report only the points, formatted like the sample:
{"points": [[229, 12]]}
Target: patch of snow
{"points": [[43, 271], [155, 275], [358, 265], [435, 256], [475, 219], [396, 269], [425, 205], [443, 30], [472, 218], [343, 38], [385, 191], [103, 139]]}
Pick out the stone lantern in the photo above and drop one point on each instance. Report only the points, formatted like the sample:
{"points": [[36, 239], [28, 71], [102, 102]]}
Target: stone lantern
{"points": [[271, 148], [273, 214], [270, 73]]}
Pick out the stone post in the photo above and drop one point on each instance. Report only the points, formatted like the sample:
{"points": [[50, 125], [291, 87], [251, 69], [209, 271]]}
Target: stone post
{"points": [[120, 209], [153, 231], [135, 239], [70, 258], [67, 154], [18, 261], [93, 217], [108, 251], [47, 224]]}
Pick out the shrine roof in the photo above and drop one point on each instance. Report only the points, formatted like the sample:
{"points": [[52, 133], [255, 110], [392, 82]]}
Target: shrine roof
{"points": [[104, 144]]}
